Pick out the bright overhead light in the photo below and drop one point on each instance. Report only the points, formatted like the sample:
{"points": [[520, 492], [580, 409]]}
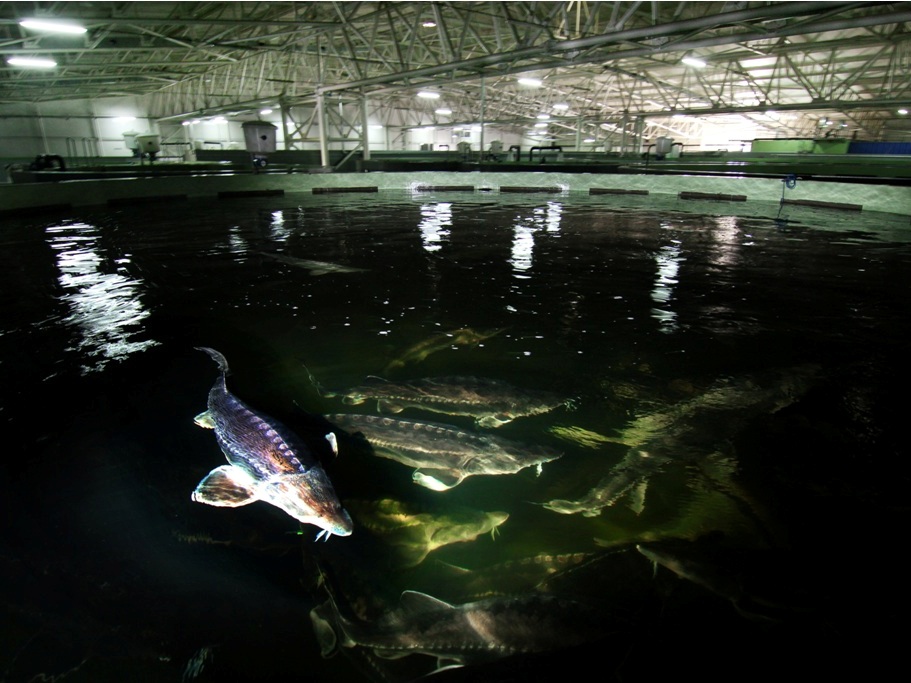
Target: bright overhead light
{"points": [[429, 95], [533, 82], [543, 117], [429, 24], [693, 61], [589, 140], [32, 62], [758, 62], [540, 125], [561, 106], [902, 111], [52, 26], [443, 112], [265, 112]]}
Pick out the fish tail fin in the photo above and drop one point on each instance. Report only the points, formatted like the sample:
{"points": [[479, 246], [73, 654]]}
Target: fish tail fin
{"points": [[217, 357]]}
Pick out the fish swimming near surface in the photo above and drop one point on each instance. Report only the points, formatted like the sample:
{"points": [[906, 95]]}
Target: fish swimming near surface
{"points": [[689, 431], [490, 402], [461, 634], [314, 267], [267, 462], [443, 455], [415, 534], [630, 475], [444, 340]]}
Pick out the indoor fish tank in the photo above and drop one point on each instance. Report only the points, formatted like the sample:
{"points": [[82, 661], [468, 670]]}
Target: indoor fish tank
{"points": [[702, 410]]}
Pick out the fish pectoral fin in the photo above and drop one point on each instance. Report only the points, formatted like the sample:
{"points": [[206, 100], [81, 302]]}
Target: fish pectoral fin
{"points": [[493, 421], [226, 486], [389, 407], [205, 420], [437, 480]]}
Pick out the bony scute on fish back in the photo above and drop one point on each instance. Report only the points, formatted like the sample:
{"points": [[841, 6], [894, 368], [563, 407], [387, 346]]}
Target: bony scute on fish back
{"points": [[266, 462]]}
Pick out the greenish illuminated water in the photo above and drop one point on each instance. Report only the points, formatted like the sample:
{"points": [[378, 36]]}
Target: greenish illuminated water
{"points": [[759, 359]]}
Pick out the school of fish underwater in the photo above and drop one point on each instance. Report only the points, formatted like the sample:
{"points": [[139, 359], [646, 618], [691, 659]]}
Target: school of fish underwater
{"points": [[456, 439]]}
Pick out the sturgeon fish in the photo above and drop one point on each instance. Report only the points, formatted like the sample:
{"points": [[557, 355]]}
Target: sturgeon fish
{"points": [[490, 402], [415, 534], [464, 336], [314, 267], [689, 431], [465, 634], [267, 462], [443, 455]]}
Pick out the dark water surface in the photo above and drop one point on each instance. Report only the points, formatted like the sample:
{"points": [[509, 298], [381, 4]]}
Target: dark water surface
{"points": [[760, 365]]}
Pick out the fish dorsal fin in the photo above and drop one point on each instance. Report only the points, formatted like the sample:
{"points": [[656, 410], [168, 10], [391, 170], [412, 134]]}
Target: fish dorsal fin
{"points": [[226, 486], [415, 601]]}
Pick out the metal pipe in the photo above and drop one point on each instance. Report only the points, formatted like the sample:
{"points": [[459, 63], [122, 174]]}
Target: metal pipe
{"points": [[531, 152]]}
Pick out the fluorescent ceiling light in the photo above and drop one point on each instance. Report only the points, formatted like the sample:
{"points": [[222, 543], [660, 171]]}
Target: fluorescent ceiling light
{"points": [[561, 106], [540, 125], [533, 82], [429, 24], [693, 61], [265, 112], [543, 117], [429, 95], [902, 111], [52, 26], [444, 112], [32, 62], [758, 62]]}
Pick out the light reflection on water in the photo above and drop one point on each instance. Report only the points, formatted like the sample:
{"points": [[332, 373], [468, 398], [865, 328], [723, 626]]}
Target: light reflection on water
{"points": [[436, 220], [105, 307]]}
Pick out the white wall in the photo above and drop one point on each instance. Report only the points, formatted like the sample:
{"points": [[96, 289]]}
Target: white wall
{"points": [[65, 128]]}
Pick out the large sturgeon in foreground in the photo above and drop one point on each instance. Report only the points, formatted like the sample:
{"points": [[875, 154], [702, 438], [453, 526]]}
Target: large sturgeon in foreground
{"points": [[267, 462]]}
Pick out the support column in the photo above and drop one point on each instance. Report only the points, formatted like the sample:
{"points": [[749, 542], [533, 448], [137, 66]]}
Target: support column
{"points": [[640, 127], [323, 132], [42, 129], [365, 136], [483, 103], [623, 126], [285, 136]]}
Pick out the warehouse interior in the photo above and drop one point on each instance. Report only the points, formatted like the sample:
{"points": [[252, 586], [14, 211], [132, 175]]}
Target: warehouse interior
{"points": [[714, 88]]}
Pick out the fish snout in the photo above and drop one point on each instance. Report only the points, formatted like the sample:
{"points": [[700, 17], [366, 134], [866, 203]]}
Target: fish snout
{"points": [[341, 522]]}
